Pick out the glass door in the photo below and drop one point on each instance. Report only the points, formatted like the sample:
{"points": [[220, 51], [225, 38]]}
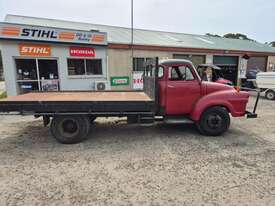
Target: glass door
{"points": [[48, 74], [37, 75]]}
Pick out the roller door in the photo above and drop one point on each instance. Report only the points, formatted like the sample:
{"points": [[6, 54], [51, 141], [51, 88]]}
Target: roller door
{"points": [[229, 65]]}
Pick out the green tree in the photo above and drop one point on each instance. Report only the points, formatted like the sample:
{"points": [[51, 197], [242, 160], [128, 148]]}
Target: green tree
{"points": [[212, 35], [237, 36]]}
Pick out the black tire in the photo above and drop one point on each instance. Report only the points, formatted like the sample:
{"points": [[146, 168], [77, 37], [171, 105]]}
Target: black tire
{"points": [[70, 129], [270, 95], [214, 121], [92, 118]]}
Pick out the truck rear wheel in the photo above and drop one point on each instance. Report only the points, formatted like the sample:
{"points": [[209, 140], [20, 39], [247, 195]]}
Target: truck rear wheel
{"points": [[214, 121], [92, 118], [70, 129], [270, 95]]}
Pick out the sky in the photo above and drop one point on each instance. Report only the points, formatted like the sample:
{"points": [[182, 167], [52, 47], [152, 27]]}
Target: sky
{"points": [[254, 18]]}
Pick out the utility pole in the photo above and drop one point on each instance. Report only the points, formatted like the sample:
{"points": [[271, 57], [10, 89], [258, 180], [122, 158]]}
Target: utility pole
{"points": [[132, 32]]}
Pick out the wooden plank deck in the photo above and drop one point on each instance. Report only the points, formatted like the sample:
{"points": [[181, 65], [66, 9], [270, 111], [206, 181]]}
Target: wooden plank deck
{"points": [[79, 97]]}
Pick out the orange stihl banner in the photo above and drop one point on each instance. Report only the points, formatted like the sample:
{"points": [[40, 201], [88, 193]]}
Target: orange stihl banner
{"points": [[49, 34], [34, 50]]}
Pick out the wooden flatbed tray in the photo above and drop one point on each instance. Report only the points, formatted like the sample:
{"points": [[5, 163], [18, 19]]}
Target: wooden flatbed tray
{"points": [[80, 97]]}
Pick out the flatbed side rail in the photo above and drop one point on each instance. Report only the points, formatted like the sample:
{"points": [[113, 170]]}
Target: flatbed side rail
{"points": [[102, 114], [150, 79], [76, 107]]}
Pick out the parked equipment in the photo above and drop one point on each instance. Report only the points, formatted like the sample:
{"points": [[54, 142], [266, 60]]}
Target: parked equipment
{"points": [[250, 80], [173, 90], [265, 81]]}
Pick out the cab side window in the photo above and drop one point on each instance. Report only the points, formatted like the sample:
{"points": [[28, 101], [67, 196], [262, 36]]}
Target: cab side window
{"points": [[160, 72], [181, 73]]}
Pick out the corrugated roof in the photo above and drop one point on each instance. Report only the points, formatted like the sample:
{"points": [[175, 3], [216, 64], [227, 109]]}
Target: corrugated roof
{"points": [[122, 35]]}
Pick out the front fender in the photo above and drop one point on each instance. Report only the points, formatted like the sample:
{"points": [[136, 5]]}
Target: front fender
{"points": [[234, 101]]}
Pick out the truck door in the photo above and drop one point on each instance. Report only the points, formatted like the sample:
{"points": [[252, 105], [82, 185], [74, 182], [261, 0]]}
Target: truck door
{"points": [[183, 90]]}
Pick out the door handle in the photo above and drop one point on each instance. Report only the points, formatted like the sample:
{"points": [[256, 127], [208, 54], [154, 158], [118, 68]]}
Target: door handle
{"points": [[170, 86]]}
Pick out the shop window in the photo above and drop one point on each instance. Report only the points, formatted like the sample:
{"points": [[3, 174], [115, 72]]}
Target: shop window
{"points": [[84, 67], [26, 69], [76, 67], [94, 67], [139, 64], [37, 75]]}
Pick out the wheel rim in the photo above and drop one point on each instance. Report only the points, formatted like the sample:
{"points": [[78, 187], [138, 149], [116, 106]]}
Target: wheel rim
{"points": [[69, 128], [270, 95], [214, 121]]}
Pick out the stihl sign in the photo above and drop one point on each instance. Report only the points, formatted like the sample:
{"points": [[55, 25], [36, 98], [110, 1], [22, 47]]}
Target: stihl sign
{"points": [[39, 33], [82, 52], [34, 50]]}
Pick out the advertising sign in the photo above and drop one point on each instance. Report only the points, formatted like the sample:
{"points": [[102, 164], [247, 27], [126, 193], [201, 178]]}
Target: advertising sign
{"points": [[34, 50], [49, 34], [137, 80], [120, 81], [82, 52], [243, 68], [50, 85]]}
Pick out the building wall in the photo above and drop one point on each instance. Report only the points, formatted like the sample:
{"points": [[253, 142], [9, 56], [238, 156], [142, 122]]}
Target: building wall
{"points": [[209, 59], [60, 52], [120, 63]]}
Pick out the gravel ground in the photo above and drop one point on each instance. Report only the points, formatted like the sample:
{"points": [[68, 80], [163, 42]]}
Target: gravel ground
{"points": [[124, 164]]}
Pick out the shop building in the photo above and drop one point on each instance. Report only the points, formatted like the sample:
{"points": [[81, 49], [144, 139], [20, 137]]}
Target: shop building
{"points": [[115, 55], [51, 59]]}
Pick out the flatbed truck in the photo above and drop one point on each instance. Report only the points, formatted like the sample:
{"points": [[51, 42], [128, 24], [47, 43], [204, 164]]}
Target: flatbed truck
{"points": [[173, 92]]}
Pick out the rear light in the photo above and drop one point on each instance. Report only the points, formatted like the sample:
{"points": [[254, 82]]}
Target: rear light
{"points": [[238, 88]]}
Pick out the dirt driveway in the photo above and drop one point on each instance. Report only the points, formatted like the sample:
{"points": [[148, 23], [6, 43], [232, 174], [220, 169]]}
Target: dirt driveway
{"points": [[124, 164]]}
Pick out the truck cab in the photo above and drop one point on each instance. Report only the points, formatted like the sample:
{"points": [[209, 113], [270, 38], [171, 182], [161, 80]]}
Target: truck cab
{"points": [[182, 93]]}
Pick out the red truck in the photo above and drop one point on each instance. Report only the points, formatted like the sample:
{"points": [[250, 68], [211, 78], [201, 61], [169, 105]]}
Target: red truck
{"points": [[173, 92]]}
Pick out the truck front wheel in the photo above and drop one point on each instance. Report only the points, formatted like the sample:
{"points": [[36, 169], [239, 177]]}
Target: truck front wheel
{"points": [[214, 121], [270, 95], [70, 129]]}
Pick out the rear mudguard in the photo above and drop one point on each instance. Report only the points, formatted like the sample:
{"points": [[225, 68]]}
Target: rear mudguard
{"points": [[235, 102]]}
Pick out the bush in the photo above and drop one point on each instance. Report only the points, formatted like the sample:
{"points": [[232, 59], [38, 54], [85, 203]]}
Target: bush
{"points": [[3, 95]]}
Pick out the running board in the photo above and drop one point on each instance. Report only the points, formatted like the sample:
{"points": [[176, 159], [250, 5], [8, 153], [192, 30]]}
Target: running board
{"points": [[178, 120]]}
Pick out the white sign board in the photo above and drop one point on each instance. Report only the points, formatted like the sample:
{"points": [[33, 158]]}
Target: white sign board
{"points": [[137, 80], [50, 34], [243, 68]]}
